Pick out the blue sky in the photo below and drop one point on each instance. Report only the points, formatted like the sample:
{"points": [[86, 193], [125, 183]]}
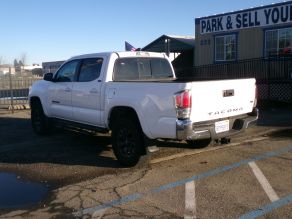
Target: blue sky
{"points": [[49, 30]]}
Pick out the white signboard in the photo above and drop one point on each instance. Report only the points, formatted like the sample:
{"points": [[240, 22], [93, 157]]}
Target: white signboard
{"points": [[271, 15]]}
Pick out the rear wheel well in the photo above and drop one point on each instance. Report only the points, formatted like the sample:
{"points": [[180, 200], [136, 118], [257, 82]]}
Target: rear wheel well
{"points": [[122, 112]]}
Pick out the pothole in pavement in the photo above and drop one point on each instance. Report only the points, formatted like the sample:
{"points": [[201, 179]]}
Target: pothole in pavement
{"points": [[16, 192]]}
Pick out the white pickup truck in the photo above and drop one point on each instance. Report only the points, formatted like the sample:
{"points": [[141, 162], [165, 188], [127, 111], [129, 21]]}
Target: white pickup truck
{"points": [[137, 97]]}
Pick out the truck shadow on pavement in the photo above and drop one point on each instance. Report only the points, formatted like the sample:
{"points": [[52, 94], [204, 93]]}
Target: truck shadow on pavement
{"points": [[19, 144], [286, 133], [276, 115]]}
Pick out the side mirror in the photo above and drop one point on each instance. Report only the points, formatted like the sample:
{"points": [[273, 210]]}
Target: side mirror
{"points": [[48, 76]]}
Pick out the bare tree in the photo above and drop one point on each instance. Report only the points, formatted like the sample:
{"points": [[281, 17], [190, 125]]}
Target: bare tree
{"points": [[23, 58]]}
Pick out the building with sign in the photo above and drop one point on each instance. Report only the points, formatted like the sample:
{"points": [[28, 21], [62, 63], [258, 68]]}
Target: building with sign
{"points": [[264, 31]]}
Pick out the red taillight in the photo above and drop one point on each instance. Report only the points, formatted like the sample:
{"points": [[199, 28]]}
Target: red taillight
{"points": [[183, 99], [183, 104], [187, 100]]}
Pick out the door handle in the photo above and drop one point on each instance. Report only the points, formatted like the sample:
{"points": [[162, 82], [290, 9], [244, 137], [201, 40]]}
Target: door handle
{"points": [[67, 89]]}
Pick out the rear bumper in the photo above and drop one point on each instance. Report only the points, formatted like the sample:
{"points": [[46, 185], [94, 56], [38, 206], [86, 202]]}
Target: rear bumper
{"points": [[187, 130]]}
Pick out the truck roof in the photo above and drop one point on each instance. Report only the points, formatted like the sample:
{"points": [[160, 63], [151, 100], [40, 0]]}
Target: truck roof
{"points": [[122, 54]]}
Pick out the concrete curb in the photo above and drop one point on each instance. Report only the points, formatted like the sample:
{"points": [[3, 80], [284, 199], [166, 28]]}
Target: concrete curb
{"points": [[19, 107]]}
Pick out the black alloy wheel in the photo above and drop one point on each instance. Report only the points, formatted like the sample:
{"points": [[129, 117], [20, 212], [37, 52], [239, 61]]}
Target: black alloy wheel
{"points": [[127, 141], [39, 120]]}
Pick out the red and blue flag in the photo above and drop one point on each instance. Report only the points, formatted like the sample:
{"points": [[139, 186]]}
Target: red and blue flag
{"points": [[129, 47]]}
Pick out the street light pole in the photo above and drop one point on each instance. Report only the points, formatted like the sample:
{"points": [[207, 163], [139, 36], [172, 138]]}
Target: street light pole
{"points": [[167, 46]]}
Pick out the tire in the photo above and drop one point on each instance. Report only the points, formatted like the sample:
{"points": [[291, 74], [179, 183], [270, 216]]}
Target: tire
{"points": [[39, 121], [127, 141]]}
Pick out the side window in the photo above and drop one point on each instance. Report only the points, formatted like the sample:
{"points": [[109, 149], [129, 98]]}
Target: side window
{"points": [[279, 42], [90, 69], [225, 48], [67, 72]]}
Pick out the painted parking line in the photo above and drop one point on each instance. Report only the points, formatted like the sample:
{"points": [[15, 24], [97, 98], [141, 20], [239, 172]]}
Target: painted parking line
{"points": [[267, 208], [137, 196], [98, 214], [190, 201], [264, 182]]}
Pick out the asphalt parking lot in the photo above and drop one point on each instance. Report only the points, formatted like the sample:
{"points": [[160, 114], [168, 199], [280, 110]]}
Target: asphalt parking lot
{"points": [[249, 178]]}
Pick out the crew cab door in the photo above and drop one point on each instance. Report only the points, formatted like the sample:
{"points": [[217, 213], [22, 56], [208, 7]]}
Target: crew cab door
{"points": [[86, 95], [60, 91]]}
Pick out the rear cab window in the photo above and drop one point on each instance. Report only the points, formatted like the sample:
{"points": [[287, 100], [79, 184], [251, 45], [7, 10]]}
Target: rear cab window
{"points": [[127, 69]]}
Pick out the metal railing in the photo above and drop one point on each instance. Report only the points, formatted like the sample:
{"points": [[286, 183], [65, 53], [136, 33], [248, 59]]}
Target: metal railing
{"points": [[14, 90], [263, 69], [273, 75]]}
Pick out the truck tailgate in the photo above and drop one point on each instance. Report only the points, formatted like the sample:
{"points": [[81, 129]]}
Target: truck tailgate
{"points": [[212, 100]]}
